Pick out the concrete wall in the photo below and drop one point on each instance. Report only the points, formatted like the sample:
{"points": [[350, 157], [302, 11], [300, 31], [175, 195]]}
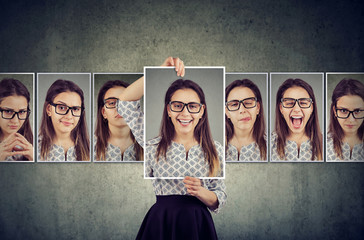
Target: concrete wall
{"points": [[109, 201]]}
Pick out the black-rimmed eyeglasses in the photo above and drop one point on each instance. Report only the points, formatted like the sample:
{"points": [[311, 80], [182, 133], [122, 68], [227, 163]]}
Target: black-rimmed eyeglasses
{"points": [[111, 102], [10, 114], [192, 107], [234, 105], [291, 102], [63, 109], [345, 113]]}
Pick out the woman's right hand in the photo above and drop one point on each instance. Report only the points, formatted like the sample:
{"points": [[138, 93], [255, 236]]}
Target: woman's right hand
{"points": [[136, 90], [178, 63]]}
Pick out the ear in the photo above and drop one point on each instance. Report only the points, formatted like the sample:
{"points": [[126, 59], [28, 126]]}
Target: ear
{"points": [[227, 112], [168, 111], [49, 110], [202, 110], [280, 107], [333, 109], [103, 112], [258, 108]]}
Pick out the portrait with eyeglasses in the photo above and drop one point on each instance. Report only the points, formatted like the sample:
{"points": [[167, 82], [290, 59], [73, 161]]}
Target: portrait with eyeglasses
{"points": [[345, 140], [16, 135], [114, 139], [296, 117], [63, 112], [177, 105], [245, 122]]}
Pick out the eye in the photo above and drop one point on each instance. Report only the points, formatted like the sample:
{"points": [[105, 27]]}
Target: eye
{"points": [[343, 110], [9, 111], [177, 105], [22, 112], [62, 107], [76, 109]]}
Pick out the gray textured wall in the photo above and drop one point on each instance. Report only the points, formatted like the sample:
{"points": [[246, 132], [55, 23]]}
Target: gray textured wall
{"points": [[109, 201]]}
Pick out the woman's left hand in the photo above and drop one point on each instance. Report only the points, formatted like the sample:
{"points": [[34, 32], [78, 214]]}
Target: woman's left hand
{"points": [[194, 188]]}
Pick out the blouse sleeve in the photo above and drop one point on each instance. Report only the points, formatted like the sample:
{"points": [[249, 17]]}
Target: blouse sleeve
{"points": [[217, 186], [134, 117]]}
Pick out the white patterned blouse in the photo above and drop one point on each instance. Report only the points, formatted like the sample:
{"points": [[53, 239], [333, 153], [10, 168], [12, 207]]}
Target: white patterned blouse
{"points": [[131, 112], [292, 153], [181, 164], [356, 154], [248, 153]]}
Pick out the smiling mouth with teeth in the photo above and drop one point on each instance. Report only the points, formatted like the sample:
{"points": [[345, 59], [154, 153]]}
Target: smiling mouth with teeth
{"points": [[296, 121], [184, 122]]}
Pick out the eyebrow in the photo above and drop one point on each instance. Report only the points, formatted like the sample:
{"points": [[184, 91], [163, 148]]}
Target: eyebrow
{"points": [[338, 107], [63, 103], [7, 108]]}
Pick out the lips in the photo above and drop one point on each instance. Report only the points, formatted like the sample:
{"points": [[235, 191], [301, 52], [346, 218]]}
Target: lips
{"points": [[67, 124], [296, 121], [246, 119], [13, 127], [184, 122]]}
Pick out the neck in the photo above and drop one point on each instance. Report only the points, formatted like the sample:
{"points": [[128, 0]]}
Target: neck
{"points": [[62, 138], [119, 132], [298, 137], [243, 134], [185, 139], [351, 138]]}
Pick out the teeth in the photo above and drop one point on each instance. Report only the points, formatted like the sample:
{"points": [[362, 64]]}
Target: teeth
{"points": [[184, 121], [296, 117]]}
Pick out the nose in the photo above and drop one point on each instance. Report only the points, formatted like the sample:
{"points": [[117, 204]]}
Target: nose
{"points": [[351, 117], [185, 110], [15, 118], [69, 113], [296, 107], [242, 108]]}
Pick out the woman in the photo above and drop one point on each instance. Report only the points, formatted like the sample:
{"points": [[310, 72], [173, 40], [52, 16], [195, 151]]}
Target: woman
{"points": [[16, 136], [245, 125], [63, 132], [297, 135], [114, 139], [345, 137], [181, 210]]}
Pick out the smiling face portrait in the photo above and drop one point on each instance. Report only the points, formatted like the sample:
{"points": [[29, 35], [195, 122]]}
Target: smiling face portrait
{"points": [[63, 116], [63, 120], [185, 121], [243, 117], [296, 116]]}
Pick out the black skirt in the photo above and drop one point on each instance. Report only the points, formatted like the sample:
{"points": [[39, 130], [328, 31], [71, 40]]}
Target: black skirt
{"points": [[175, 217]]}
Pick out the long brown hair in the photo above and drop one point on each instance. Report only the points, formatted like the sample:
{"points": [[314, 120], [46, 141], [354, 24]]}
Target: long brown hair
{"points": [[13, 87], [102, 131], [343, 88], [259, 125], [202, 131], [312, 129], [79, 134]]}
